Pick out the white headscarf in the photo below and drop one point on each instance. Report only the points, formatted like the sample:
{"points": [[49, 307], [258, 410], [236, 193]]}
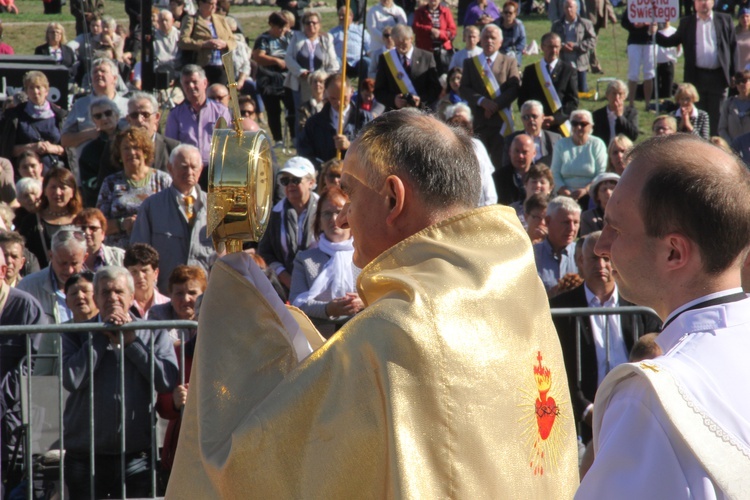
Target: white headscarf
{"points": [[337, 277]]}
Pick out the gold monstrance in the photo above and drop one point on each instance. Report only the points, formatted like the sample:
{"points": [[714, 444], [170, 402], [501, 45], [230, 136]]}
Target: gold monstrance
{"points": [[240, 179]]}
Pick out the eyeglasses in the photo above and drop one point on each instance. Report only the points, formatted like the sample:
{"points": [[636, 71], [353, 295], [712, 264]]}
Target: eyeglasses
{"points": [[529, 117], [135, 114], [93, 229], [247, 112], [386, 35], [98, 116], [64, 235], [284, 181], [579, 124]]}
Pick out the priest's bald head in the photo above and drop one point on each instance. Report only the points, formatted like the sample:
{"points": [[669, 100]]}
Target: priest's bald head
{"points": [[405, 172]]}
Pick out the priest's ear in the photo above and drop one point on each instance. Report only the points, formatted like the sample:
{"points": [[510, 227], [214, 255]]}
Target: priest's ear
{"points": [[396, 192]]}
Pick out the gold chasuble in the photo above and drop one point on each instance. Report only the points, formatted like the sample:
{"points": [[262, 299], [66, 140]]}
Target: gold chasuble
{"points": [[449, 384]]}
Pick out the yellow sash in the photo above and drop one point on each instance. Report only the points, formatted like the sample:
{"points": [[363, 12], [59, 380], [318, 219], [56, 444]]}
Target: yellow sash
{"points": [[493, 89], [550, 93], [399, 74]]}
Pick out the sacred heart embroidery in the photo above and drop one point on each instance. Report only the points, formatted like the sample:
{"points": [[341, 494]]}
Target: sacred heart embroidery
{"points": [[542, 417]]}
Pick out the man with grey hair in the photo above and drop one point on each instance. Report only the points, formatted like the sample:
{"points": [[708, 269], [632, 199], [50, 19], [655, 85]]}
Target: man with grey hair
{"points": [[192, 121], [555, 256], [407, 76], [605, 340], [490, 84], [67, 257], [180, 212], [129, 351], [532, 119], [615, 118], [78, 128], [375, 394], [143, 112]]}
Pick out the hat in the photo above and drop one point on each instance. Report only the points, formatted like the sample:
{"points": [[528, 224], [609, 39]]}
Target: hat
{"points": [[603, 177], [298, 167], [743, 11]]}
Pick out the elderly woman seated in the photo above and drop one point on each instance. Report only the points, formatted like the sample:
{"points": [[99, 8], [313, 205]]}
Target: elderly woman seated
{"points": [[664, 125], [324, 284], [690, 119], [601, 191], [577, 159]]}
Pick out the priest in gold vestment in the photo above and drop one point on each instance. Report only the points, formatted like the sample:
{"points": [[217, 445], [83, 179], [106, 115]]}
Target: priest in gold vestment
{"points": [[449, 384]]}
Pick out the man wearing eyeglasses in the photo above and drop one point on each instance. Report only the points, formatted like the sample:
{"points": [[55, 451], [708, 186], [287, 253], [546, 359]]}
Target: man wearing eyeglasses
{"points": [[143, 112], [290, 228], [532, 119]]}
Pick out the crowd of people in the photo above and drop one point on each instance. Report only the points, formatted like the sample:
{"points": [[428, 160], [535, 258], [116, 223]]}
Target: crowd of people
{"points": [[103, 207]]}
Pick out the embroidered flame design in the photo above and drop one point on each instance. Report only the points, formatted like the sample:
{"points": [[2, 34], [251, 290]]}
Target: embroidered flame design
{"points": [[540, 420]]}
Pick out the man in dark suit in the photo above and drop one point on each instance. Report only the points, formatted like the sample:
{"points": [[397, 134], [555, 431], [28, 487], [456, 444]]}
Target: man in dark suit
{"points": [[564, 78], [509, 178], [319, 139], [487, 120], [598, 290], [532, 118], [419, 67], [615, 118], [143, 112], [710, 66]]}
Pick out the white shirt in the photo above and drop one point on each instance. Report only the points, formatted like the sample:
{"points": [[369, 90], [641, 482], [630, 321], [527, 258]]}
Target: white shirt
{"points": [[486, 169], [183, 205], [607, 333], [462, 55], [706, 56], [335, 116], [538, 145], [639, 454]]}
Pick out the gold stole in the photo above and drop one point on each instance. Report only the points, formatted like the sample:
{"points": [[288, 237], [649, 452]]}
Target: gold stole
{"points": [[550, 94], [399, 73]]}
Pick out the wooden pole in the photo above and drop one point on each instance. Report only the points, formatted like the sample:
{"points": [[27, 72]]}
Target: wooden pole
{"points": [[342, 104]]}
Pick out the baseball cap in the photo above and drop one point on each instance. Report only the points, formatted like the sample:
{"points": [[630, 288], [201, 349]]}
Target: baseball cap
{"points": [[298, 167]]}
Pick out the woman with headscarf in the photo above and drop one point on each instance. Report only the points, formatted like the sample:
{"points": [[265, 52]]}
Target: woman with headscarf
{"points": [[324, 284]]}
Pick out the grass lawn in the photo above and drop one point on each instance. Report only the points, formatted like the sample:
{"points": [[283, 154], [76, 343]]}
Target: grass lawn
{"points": [[26, 31]]}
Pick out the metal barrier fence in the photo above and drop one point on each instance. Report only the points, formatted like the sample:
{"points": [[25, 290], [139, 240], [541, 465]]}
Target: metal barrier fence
{"points": [[27, 387], [580, 314]]}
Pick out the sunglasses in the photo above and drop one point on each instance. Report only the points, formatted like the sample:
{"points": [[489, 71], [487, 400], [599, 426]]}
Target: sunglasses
{"points": [[98, 116], [741, 80], [579, 124], [285, 181], [529, 117], [93, 229], [386, 35], [135, 114], [247, 112], [507, 12]]}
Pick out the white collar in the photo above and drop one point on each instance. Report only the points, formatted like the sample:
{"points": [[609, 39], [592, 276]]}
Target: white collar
{"points": [[704, 298], [710, 17], [612, 301]]}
